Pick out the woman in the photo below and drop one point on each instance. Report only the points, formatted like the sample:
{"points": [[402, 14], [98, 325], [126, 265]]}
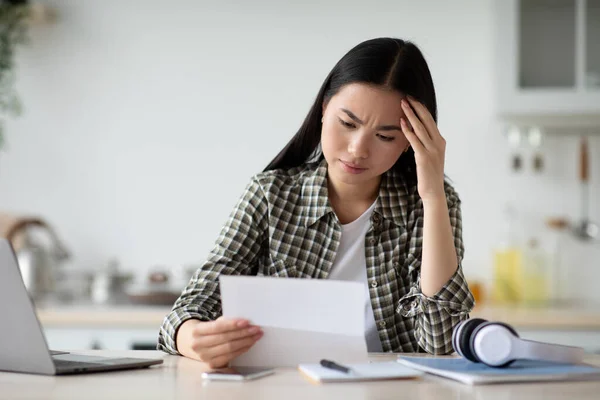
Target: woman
{"points": [[357, 194]]}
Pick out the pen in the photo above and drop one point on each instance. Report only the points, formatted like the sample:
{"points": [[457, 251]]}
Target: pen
{"points": [[332, 365]]}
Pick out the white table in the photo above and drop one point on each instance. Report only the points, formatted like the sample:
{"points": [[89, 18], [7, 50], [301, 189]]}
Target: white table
{"points": [[179, 378]]}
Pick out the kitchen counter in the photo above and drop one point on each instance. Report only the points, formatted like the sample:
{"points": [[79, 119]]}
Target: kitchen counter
{"points": [[103, 316], [136, 327], [152, 316], [102, 327], [557, 318]]}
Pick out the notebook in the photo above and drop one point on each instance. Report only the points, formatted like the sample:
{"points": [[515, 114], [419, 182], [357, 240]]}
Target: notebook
{"points": [[359, 372], [472, 373]]}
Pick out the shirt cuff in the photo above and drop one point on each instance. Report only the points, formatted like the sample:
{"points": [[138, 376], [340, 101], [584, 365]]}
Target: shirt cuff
{"points": [[435, 317], [454, 297]]}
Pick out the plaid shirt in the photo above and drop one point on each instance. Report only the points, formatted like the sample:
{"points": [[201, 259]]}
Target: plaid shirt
{"points": [[284, 226]]}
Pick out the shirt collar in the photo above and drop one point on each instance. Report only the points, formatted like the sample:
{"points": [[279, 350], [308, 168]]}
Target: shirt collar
{"points": [[392, 202]]}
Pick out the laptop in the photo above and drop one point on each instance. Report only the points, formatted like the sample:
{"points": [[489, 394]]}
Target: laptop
{"points": [[23, 346]]}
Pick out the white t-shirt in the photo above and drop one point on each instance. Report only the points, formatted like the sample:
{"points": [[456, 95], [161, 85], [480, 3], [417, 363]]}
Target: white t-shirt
{"points": [[350, 265]]}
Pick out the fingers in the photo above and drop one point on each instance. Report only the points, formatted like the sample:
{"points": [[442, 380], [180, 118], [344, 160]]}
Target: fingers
{"points": [[223, 361], [424, 115], [227, 350], [221, 325], [418, 128], [218, 342], [217, 339], [427, 120], [414, 141]]}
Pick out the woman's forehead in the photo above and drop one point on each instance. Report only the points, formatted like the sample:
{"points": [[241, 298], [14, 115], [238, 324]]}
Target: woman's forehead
{"points": [[361, 98]]}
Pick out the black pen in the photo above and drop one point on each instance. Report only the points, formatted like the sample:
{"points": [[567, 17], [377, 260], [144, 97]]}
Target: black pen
{"points": [[332, 365]]}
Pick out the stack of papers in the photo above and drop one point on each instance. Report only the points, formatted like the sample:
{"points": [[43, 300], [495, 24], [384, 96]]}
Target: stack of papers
{"points": [[472, 373], [303, 320]]}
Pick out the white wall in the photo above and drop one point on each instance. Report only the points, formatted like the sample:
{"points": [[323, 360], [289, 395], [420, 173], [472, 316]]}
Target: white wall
{"points": [[145, 119]]}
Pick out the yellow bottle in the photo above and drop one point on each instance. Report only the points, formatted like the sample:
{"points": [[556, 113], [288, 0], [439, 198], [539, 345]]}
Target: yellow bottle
{"points": [[535, 275], [508, 262], [507, 287]]}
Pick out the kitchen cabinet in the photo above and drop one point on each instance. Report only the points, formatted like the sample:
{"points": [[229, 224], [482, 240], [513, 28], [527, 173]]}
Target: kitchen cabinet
{"points": [[102, 327], [76, 338], [547, 61]]}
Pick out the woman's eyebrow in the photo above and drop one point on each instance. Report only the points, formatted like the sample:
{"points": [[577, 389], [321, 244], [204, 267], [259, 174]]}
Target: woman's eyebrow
{"points": [[379, 128]]}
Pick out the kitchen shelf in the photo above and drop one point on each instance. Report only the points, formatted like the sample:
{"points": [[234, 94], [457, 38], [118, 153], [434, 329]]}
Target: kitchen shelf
{"points": [[547, 62]]}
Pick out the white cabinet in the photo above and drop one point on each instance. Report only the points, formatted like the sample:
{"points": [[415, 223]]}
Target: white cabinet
{"points": [[82, 338], [547, 64], [99, 327]]}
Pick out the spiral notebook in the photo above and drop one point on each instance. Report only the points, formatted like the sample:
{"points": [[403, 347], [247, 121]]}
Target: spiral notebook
{"points": [[472, 373], [359, 372]]}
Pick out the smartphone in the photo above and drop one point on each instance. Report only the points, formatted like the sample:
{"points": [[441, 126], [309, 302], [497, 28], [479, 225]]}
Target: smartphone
{"points": [[237, 373]]}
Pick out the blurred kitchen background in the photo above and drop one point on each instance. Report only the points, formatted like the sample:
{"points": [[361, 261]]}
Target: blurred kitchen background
{"points": [[142, 122]]}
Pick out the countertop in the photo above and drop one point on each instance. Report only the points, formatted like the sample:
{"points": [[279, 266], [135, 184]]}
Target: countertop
{"points": [[180, 378], [584, 317], [103, 316], [567, 318]]}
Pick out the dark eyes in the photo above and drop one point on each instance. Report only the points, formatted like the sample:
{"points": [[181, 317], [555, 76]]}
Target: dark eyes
{"points": [[385, 138], [347, 124], [350, 125]]}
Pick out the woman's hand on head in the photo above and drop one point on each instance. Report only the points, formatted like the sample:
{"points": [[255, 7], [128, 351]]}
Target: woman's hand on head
{"points": [[429, 147], [218, 342]]}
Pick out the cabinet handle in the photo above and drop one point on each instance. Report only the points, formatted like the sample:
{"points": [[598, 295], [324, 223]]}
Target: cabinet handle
{"points": [[583, 160]]}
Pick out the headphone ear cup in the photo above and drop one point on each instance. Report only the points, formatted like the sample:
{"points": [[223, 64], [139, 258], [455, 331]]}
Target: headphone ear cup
{"points": [[455, 333], [463, 335], [510, 328], [479, 328]]}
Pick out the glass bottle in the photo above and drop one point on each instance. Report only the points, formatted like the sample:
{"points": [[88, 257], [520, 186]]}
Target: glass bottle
{"points": [[508, 260]]}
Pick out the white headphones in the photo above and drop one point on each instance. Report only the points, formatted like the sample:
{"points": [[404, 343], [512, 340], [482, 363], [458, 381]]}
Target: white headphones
{"points": [[497, 344]]}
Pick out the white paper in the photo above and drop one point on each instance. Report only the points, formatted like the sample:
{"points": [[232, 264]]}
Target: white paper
{"points": [[303, 320]]}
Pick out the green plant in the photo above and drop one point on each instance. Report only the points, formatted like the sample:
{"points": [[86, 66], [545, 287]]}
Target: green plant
{"points": [[13, 32]]}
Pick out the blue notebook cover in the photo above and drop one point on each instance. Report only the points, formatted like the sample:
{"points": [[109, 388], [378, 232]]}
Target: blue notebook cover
{"points": [[472, 373]]}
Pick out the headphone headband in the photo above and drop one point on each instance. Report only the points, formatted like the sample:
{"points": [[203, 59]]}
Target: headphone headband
{"points": [[534, 350]]}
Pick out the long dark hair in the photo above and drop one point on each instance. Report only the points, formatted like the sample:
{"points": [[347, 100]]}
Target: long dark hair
{"points": [[388, 62]]}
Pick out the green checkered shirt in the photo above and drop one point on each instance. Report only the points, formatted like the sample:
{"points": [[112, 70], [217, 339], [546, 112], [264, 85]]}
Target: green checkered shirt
{"points": [[284, 226]]}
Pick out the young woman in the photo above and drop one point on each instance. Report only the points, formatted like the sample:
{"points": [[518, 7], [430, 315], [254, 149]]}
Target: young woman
{"points": [[357, 194]]}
